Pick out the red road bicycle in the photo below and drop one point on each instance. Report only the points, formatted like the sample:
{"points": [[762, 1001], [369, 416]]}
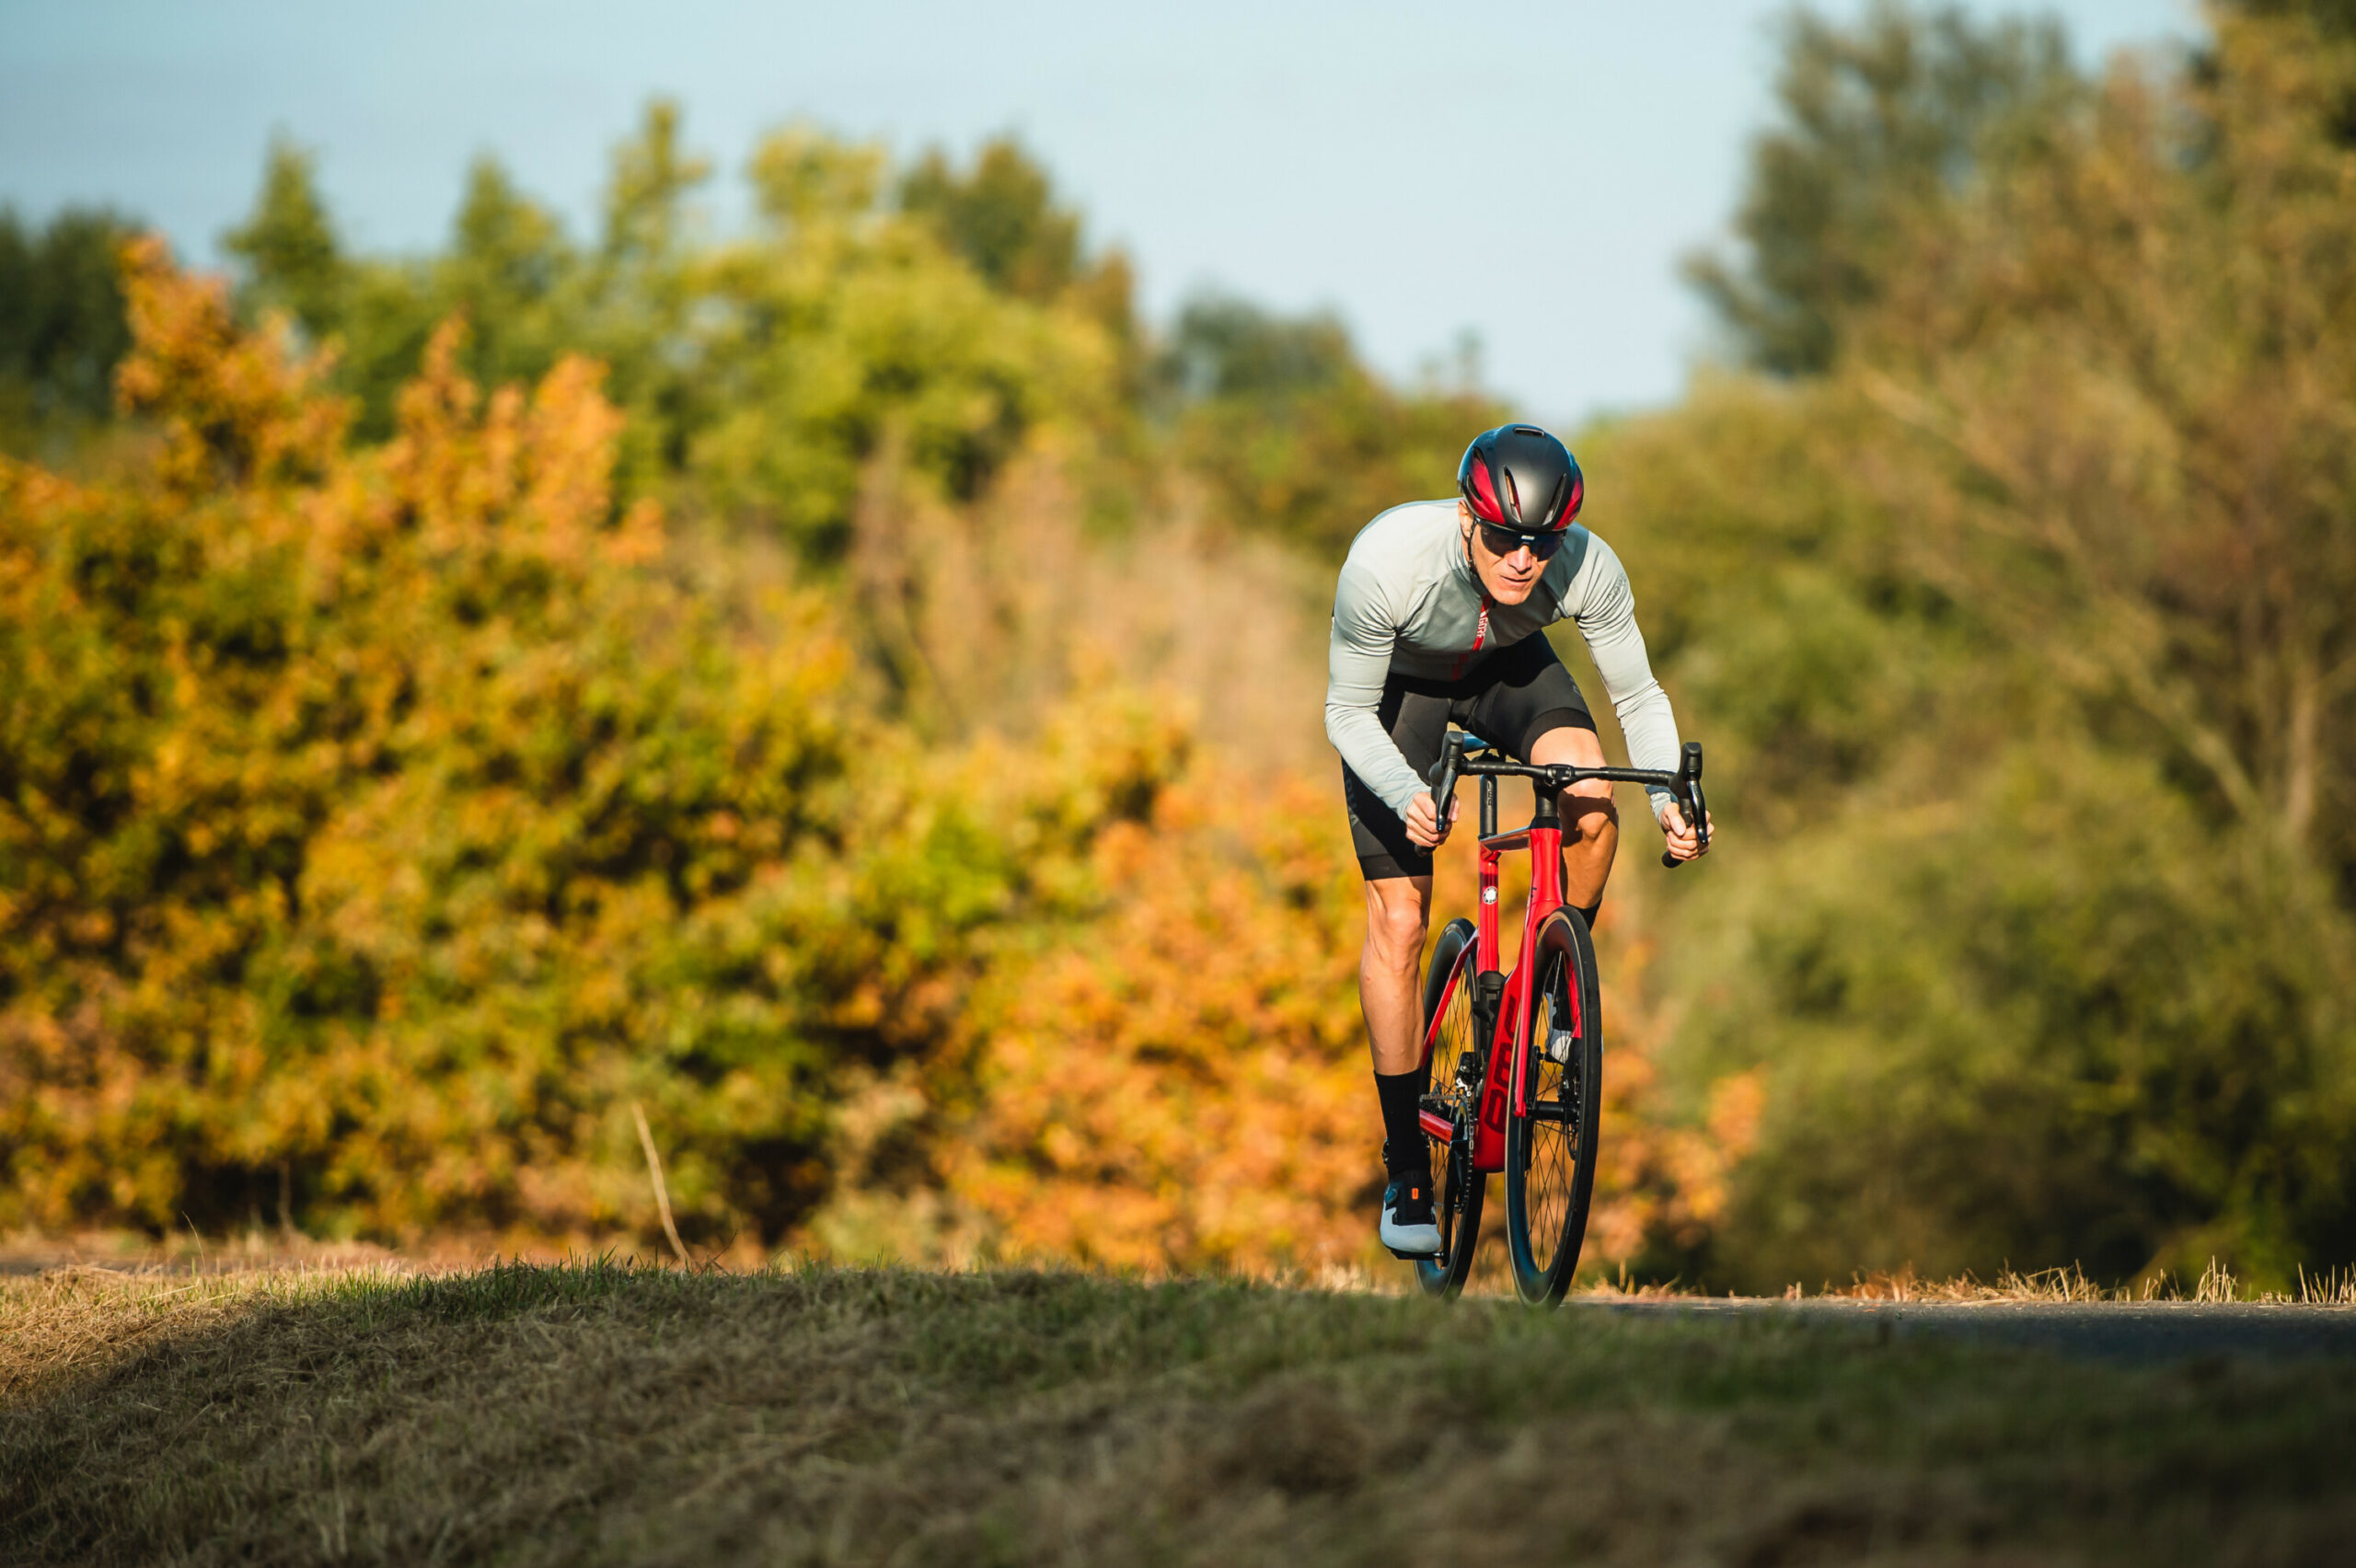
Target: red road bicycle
{"points": [[1516, 1060]]}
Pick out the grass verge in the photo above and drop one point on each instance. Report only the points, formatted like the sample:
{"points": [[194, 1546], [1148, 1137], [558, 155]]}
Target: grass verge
{"points": [[606, 1414]]}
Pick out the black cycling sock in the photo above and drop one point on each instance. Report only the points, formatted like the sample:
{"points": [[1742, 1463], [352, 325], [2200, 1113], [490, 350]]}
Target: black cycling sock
{"points": [[1590, 913], [1405, 1151]]}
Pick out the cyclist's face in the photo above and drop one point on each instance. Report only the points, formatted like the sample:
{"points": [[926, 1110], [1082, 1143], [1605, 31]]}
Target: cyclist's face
{"points": [[1510, 564]]}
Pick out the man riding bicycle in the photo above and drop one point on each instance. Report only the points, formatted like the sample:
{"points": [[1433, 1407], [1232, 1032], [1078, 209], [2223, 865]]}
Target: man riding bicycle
{"points": [[1439, 616]]}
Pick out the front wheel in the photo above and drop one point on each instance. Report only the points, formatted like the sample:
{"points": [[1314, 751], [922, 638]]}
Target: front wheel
{"points": [[1458, 1190], [1550, 1146]]}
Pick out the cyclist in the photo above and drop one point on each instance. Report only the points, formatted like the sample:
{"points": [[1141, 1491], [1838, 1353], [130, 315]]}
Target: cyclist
{"points": [[1440, 614]]}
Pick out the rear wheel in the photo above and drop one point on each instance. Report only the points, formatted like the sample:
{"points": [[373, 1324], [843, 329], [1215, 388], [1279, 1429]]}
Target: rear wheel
{"points": [[1550, 1148], [1458, 1189]]}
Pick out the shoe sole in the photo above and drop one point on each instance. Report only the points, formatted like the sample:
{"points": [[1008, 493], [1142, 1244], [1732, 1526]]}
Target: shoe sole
{"points": [[1432, 1252]]}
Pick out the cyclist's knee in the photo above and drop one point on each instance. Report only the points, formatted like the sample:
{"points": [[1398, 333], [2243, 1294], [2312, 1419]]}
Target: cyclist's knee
{"points": [[1395, 921], [1588, 806]]}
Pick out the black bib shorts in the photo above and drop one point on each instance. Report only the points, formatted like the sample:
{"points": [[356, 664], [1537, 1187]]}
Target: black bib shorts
{"points": [[1511, 699]]}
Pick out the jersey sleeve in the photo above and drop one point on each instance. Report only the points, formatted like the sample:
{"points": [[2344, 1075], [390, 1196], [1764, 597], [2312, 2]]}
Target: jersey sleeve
{"points": [[1357, 661], [1606, 612]]}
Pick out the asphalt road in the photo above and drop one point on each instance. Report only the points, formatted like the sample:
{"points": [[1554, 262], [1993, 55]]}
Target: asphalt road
{"points": [[2144, 1333]]}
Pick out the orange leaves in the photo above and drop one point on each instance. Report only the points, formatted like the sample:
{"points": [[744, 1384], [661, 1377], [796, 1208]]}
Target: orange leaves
{"points": [[1181, 1081], [359, 817], [236, 408], [375, 820], [1183, 1084], [540, 470]]}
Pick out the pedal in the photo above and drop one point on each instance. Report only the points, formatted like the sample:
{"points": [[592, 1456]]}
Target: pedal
{"points": [[1559, 1045]]}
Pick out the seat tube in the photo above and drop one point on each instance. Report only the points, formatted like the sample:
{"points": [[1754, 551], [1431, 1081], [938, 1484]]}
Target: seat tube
{"points": [[1545, 897], [1486, 919]]}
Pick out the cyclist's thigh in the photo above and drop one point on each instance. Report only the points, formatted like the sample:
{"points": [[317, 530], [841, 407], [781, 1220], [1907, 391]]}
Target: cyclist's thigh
{"points": [[1416, 721], [1529, 694]]}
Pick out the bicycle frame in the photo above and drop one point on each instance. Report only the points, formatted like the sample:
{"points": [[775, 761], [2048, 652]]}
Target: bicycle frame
{"points": [[1505, 1075], [1501, 1006]]}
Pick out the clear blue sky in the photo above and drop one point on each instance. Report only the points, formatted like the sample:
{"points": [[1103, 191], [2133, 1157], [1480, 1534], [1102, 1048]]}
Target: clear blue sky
{"points": [[1529, 173]]}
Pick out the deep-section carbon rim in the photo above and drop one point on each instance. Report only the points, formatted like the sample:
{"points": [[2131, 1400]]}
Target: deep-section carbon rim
{"points": [[1551, 1151], [1458, 1189]]}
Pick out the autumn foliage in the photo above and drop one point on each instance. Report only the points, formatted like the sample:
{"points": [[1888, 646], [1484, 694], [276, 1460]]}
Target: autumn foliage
{"points": [[382, 821]]}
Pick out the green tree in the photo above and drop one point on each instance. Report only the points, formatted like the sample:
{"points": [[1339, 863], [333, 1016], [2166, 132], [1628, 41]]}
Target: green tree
{"points": [[292, 259], [378, 822], [61, 328], [1000, 216], [1293, 434], [1882, 122], [510, 271], [2025, 626]]}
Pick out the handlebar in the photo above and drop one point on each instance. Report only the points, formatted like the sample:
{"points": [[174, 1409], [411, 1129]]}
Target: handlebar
{"points": [[1684, 785]]}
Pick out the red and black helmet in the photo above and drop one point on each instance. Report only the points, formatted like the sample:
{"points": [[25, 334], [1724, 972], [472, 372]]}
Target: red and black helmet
{"points": [[1518, 477]]}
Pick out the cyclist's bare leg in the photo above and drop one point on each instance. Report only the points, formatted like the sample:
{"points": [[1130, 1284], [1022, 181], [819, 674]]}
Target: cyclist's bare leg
{"points": [[1388, 988], [1590, 819]]}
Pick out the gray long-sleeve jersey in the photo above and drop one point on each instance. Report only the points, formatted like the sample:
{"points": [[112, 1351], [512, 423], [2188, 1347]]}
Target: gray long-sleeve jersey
{"points": [[1408, 601]]}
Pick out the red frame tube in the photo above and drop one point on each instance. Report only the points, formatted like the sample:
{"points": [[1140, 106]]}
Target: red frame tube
{"points": [[1505, 1084]]}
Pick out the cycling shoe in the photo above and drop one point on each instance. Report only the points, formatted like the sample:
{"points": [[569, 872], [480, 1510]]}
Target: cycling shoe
{"points": [[1410, 1228]]}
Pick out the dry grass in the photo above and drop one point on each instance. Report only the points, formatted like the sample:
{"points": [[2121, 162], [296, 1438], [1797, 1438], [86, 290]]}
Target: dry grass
{"points": [[2215, 1286], [610, 1414]]}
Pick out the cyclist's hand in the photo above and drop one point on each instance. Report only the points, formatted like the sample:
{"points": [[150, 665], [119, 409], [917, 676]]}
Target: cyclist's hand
{"points": [[1683, 842], [1423, 829]]}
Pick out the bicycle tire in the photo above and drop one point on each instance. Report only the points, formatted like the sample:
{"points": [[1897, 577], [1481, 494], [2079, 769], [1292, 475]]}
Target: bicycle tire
{"points": [[1459, 1191], [1550, 1149]]}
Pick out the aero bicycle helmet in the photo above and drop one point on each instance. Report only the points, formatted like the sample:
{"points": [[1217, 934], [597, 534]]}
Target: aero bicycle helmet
{"points": [[1518, 477]]}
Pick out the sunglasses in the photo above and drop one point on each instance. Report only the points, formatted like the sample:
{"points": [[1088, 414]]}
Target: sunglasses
{"points": [[1505, 541]]}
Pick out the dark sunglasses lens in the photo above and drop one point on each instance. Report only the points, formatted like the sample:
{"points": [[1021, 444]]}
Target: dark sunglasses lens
{"points": [[1505, 541]]}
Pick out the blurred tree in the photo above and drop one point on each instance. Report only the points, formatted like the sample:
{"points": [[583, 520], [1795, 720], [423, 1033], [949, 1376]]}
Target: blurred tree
{"points": [[1226, 347], [1002, 217], [2332, 16], [380, 821], [1881, 122], [2132, 362], [2051, 1019], [293, 259], [849, 338], [510, 272], [2025, 628], [62, 328], [761, 375], [1293, 434]]}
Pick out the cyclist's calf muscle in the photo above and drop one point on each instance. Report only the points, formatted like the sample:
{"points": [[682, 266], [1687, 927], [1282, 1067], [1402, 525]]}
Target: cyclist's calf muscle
{"points": [[1390, 991]]}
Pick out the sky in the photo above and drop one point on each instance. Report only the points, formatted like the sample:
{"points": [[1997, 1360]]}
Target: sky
{"points": [[1527, 175]]}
